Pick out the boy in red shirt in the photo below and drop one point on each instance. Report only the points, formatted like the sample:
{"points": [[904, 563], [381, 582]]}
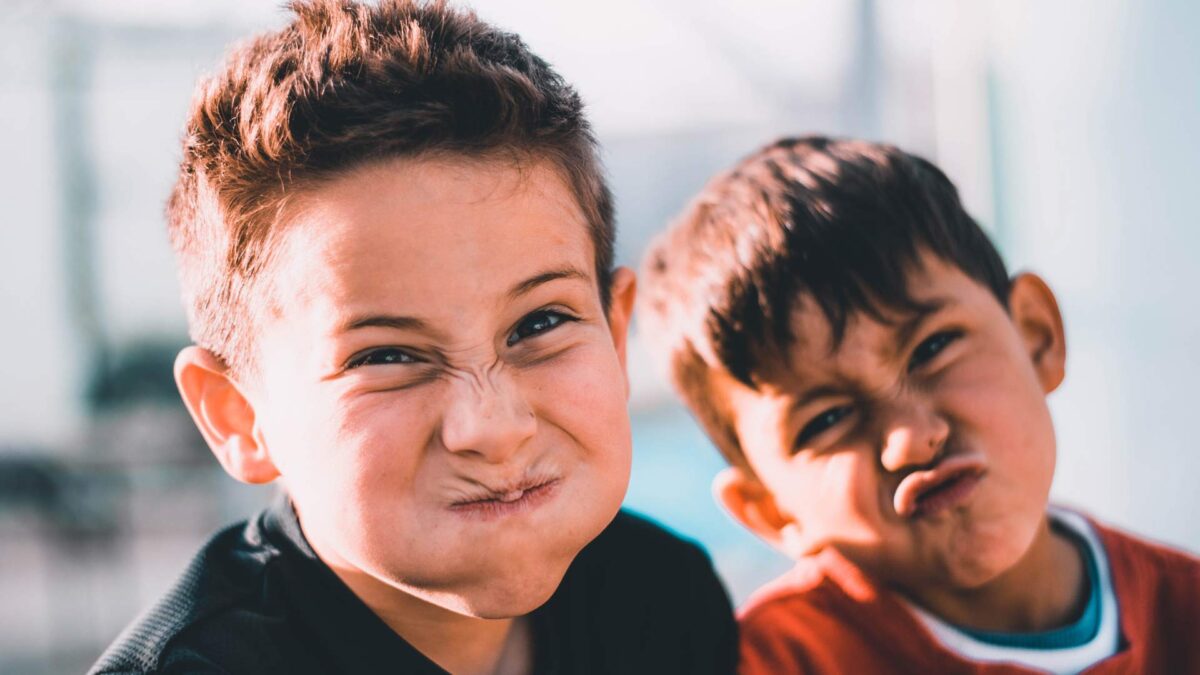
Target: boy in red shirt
{"points": [[852, 343]]}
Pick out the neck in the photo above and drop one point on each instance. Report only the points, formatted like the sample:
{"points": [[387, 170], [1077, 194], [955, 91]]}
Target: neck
{"points": [[461, 644], [1043, 591]]}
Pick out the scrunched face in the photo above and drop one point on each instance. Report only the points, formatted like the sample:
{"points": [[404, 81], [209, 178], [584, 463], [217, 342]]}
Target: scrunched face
{"points": [[439, 385], [920, 447]]}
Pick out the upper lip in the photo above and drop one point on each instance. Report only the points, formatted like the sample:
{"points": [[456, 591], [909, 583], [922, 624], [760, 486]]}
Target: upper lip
{"points": [[503, 491], [918, 483]]}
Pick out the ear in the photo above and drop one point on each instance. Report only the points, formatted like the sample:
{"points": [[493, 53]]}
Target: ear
{"points": [[622, 292], [223, 414], [752, 504], [1035, 313]]}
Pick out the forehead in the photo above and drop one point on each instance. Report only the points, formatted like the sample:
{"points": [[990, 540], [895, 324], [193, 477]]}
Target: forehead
{"points": [[937, 286], [421, 235]]}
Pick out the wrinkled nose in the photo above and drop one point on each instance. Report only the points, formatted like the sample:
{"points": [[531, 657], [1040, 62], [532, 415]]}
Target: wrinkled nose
{"points": [[487, 417], [914, 435]]}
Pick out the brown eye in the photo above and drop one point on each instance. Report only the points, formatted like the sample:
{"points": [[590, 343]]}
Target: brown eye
{"points": [[931, 347], [820, 423], [541, 321], [385, 356]]}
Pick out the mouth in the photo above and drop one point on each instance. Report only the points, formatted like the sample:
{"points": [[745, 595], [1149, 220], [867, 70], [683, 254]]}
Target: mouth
{"points": [[946, 486], [492, 503]]}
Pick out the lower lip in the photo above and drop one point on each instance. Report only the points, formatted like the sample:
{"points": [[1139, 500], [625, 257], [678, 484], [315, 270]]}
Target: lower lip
{"points": [[494, 509], [947, 495]]}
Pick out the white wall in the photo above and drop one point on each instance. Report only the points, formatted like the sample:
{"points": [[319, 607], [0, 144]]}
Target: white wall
{"points": [[39, 361], [1095, 111]]}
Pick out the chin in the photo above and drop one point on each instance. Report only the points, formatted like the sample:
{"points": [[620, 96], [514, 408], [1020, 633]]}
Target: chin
{"points": [[974, 573], [981, 559], [508, 598]]}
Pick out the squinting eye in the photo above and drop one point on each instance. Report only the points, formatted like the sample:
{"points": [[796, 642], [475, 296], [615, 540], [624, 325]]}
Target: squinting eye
{"points": [[535, 324], [931, 347], [820, 423], [385, 356]]}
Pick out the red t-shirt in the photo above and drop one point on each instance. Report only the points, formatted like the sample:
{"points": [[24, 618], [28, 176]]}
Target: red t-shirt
{"points": [[827, 616]]}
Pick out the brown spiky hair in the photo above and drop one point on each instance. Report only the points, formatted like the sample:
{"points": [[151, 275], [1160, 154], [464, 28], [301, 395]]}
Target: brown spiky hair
{"points": [[342, 85], [842, 222]]}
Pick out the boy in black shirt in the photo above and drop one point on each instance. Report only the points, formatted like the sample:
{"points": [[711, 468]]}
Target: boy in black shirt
{"points": [[395, 245]]}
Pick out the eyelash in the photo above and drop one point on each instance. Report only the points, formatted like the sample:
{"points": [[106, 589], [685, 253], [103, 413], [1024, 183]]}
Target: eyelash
{"points": [[931, 347], [388, 355], [925, 352], [384, 356], [555, 319], [821, 423]]}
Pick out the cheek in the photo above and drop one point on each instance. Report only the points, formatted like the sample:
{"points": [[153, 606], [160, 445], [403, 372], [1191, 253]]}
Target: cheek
{"points": [[353, 459], [837, 496], [582, 394], [853, 480], [385, 433], [1001, 407], [376, 476]]}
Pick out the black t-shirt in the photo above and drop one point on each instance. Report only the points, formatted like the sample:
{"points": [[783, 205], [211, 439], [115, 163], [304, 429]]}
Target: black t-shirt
{"points": [[256, 599]]}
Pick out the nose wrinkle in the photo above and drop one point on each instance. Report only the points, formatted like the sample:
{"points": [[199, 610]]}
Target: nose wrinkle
{"points": [[477, 374], [487, 411], [490, 387]]}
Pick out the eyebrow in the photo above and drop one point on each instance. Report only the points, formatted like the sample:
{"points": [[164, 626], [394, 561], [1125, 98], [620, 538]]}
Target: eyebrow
{"points": [[523, 287], [907, 328], [400, 322], [384, 321], [818, 392], [904, 332]]}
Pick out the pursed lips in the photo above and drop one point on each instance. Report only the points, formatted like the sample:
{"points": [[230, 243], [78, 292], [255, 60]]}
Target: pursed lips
{"points": [[947, 484], [481, 498]]}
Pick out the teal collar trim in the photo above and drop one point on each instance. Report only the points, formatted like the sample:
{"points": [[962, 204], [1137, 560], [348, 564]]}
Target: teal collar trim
{"points": [[1079, 633]]}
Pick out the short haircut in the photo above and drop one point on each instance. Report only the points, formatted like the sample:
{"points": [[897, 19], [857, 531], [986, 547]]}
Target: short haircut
{"points": [[342, 85], [840, 221]]}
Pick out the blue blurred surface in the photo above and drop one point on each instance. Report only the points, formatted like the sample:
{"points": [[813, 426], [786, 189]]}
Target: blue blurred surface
{"points": [[673, 468]]}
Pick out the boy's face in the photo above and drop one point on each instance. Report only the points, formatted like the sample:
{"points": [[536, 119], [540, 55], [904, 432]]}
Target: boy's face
{"points": [[439, 385], [922, 449]]}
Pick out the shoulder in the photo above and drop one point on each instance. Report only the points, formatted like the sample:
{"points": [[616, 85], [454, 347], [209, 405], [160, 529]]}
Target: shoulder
{"points": [[823, 584], [221, 586], [1157, 590], [1155, 572], [632, 530], [822, 616], [638, 553], [797, 606], [1143, 552], [655, 598]]}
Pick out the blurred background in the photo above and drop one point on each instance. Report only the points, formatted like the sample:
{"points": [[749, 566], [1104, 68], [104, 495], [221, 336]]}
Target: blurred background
{"points": [[1069, 128]]}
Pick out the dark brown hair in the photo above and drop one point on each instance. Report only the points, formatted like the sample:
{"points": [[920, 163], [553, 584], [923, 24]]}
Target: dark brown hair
{"points": [[344, 84], [840, 221]]}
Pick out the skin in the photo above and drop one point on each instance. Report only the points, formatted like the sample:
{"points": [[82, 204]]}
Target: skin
{"points": [[839, 435], [435, 342]]}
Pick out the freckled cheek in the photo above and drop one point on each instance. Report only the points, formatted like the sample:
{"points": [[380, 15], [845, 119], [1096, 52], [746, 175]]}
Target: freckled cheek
{"points": [[583, 393], [1005, 412]]}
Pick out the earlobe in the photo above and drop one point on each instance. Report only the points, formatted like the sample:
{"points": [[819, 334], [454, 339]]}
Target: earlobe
{"points": [[753, 505], [225, 417], [1036, 315]]}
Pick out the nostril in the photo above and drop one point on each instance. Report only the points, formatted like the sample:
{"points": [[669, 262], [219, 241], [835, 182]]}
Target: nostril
{"points": [[908, 446]]}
